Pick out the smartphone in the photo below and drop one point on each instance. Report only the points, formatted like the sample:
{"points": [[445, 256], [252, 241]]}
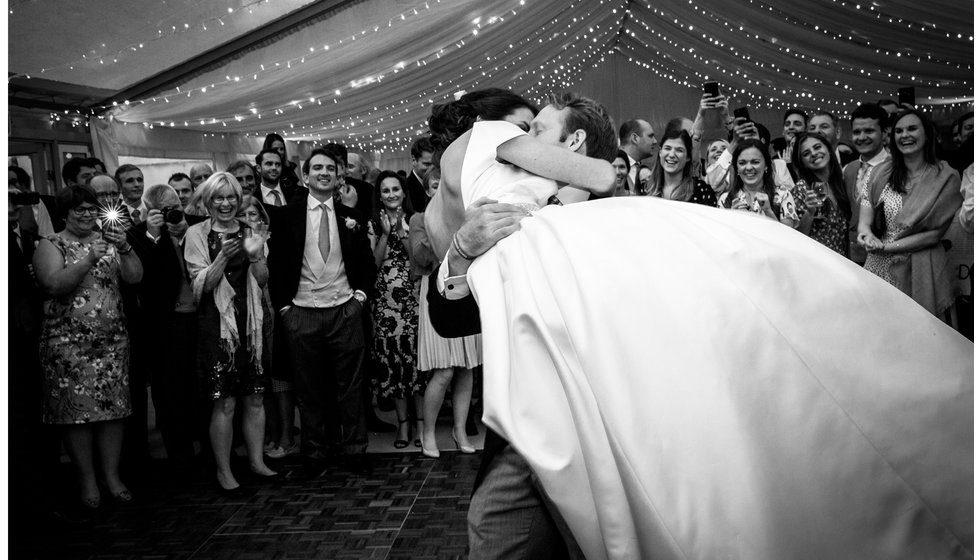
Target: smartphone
{"points": [[906, 95], [742, 113], [711, 88]]}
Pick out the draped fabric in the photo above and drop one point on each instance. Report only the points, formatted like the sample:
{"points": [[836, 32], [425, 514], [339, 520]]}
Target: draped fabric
{"points": [[728, 389]]}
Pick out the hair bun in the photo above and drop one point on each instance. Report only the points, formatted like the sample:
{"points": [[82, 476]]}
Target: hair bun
{"points": [[449, 121]]}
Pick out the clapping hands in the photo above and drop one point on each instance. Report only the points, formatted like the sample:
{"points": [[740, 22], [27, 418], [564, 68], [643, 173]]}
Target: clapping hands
{"points": [[254, 244]]}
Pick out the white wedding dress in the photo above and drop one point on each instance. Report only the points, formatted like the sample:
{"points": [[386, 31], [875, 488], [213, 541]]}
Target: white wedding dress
{"points": [[690, 382]]}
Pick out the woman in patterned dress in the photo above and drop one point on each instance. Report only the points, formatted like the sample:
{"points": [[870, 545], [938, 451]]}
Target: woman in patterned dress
{"points": [[921, 195], [396, 309], [826, 222], [84, 343], [227, 267], [753, 187]]}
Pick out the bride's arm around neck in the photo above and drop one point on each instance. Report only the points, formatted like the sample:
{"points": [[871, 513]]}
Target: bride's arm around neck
{"points": [[560, 163], [444, 213]]}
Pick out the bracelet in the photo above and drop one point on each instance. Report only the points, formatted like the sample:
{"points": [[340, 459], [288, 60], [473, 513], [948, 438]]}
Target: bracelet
{"points": [[459, 249]]}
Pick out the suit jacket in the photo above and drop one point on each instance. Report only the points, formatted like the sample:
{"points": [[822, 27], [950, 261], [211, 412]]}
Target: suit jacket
{"points": [[365, 196], [24, 314], [162, 274], [288, 241], [416, 193]]}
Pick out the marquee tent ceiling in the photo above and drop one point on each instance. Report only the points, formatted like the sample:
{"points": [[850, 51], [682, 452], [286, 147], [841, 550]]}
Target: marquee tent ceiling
{"points": [[365, 72]]}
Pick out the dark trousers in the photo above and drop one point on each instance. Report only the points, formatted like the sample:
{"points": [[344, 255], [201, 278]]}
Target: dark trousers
{"points": [[176, 395], [326, 349], [136, 447]]}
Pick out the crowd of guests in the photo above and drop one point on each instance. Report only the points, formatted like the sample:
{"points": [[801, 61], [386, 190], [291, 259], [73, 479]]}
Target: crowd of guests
{"points": [[244, 295]]}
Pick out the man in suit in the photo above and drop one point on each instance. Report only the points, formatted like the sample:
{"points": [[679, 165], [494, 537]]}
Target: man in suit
{"points": [[510, 516], [170, 320], [638, 141], [421, 162], [869, 132], [321, 274], [34, 448], [272, 191]]}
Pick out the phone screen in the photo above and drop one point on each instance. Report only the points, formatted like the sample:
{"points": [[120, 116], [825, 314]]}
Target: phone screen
{"points": [[711, 88]]}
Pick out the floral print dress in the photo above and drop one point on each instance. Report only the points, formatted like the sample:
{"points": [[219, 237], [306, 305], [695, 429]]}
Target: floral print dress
{"points": [[84, 345], [396, 323]]}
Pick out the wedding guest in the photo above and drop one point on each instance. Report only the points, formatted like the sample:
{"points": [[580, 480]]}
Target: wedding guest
{"points": [[226, 263], [826, 210], [396, 309], [673, 177], [84, 346], [753, 188], [918, 196]]}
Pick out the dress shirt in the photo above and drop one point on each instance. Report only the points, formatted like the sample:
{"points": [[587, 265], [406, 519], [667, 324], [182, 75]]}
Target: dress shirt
{"points": [[141, 209], [269, 198], [864, 171], [322, 283]]}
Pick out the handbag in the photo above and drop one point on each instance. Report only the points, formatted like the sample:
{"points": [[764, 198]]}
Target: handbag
{"points": [[879, 225]]}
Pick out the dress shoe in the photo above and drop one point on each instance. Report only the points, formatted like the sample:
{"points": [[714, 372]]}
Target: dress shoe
{"points": [[433, 454], [467, 449]]}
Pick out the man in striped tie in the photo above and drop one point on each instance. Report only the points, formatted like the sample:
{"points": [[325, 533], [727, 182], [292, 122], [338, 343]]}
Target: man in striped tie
{"points": [[270, 168]]}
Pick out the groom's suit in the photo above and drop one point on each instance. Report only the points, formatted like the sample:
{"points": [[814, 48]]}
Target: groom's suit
{"points": [[509, 517], [322, 318]]}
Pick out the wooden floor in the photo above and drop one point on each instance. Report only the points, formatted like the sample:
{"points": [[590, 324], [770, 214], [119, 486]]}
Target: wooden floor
{"points": [[409, 507]]}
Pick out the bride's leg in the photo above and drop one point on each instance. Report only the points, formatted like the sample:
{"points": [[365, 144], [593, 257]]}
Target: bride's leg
{"points": [[462, 390]]}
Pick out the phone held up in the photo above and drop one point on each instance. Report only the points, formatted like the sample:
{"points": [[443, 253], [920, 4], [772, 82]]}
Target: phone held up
{"points": [[741, 115], [906, 96], [711, 88]]}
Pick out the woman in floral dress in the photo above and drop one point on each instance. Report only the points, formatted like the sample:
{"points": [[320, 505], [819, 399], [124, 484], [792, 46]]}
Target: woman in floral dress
{"points": [[396, 309], [825, 221], [84, 345]]}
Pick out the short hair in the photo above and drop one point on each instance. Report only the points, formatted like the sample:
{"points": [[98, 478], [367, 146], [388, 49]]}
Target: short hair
{"points": [[764, 133], [215, 183], [258, 158], [239, 164], [321, 152], [338, 149], [23, 179], [591, 116], [180, 176], [796, 111], [72, 167], [421, 144], [97, 163], [125, 168], [249, 201], [100, 175], [886, 101], [73, 197], [153, 196], [629, 128], [675, 124], [872, 111], [200, 166], [822, 113]]}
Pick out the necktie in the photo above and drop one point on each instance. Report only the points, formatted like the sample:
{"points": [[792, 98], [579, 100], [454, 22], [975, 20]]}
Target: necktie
{"points": [[277, 199], [637, 187], [324, 241], [135, 216]]}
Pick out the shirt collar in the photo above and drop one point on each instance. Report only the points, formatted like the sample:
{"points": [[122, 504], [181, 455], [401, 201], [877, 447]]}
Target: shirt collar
{"points": [[266, 190], [314, 204], [882, 156]]}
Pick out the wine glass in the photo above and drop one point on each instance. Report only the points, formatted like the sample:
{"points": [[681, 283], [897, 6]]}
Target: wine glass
{"points": [[819, 190]]}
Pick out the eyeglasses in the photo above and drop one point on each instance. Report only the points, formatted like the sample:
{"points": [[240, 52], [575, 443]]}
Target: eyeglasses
{"points": [[82, 210], [224, 199]]}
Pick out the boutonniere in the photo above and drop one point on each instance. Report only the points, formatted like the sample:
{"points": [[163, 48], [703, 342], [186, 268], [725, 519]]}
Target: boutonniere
{"points": [[351, 224]]}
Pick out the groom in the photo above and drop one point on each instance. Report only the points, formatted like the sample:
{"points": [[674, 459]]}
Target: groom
{"points": [[510, 516]]}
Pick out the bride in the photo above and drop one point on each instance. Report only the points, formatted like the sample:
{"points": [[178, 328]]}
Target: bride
{"points": [[693, 383]]}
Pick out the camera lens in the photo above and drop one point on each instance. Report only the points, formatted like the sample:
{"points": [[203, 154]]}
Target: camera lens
{"points": [[173, 216]]}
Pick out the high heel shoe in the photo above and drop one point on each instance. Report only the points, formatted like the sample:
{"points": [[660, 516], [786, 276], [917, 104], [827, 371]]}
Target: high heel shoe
{"points": [[467, 449], [401, 443], [427, 452]]}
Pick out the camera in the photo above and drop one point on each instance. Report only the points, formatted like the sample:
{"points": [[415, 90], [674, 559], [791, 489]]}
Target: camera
{"points": [[173, 215], [24, 198]]}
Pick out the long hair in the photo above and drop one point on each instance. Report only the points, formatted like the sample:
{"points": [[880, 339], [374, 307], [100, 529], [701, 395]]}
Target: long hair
{"points": [[452, 119], [272, 137], [659, 179], [249, 201], [768, 183], [900, 172], [378, 207], [836, 178]]}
